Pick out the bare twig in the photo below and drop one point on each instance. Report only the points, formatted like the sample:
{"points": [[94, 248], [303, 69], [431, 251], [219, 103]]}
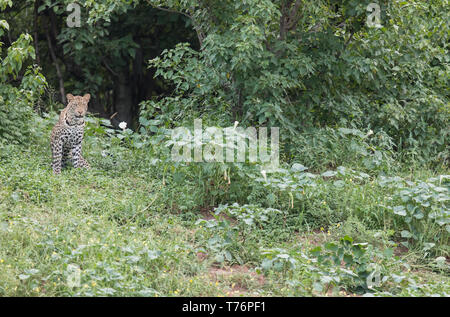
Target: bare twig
{"points": [[109, 68]]}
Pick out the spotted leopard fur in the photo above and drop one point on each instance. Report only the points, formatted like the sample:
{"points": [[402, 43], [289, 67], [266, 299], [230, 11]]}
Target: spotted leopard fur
{"points": [[67, 134]]}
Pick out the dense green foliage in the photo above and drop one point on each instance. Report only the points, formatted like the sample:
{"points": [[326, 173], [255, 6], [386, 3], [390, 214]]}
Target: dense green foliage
{"points": [[327, 69], [17, 100], [359, 205]]}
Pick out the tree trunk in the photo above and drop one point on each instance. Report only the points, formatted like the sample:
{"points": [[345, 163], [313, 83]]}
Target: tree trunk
{"points": [[123, 98], [35, 26], [58, 70]]}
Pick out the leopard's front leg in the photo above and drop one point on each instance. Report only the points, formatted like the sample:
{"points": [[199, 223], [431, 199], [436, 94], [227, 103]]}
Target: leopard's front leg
{"points": [[78, 160], [65, 156]]}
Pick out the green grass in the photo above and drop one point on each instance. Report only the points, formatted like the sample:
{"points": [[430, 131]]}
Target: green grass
{"points": [[121, 224]]}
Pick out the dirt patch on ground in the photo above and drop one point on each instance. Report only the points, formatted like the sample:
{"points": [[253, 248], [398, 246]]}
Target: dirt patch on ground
{"points": [[208, 214], [201, 256], [239, 278], [311, 239], [400, 250]]}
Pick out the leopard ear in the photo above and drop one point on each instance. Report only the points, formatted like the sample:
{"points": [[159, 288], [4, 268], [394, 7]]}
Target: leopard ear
{"points": [[87, 97], [69, 97]]}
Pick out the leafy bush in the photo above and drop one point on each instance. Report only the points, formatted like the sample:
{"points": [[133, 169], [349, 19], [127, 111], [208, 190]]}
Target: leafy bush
{"points": [[234, 239], [254, 69], [422, 208], [343, 266], [322, 148], [16, 113], [250, 215]]}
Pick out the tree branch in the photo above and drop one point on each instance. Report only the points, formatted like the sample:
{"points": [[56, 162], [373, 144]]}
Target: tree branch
{"points": [[109, 68], [294, 17], [289, 17], [200, 34], [173, 11]]}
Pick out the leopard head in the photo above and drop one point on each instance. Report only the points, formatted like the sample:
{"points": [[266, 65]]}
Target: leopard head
{"points": [[76, 109]]}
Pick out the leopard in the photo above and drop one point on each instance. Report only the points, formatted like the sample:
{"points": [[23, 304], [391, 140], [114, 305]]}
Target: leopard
{"points": [[67, 134]]}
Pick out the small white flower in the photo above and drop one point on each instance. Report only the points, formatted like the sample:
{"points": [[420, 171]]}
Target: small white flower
{"points": [[263, 172], [235, 124], [123, 125], [369, 133]]}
